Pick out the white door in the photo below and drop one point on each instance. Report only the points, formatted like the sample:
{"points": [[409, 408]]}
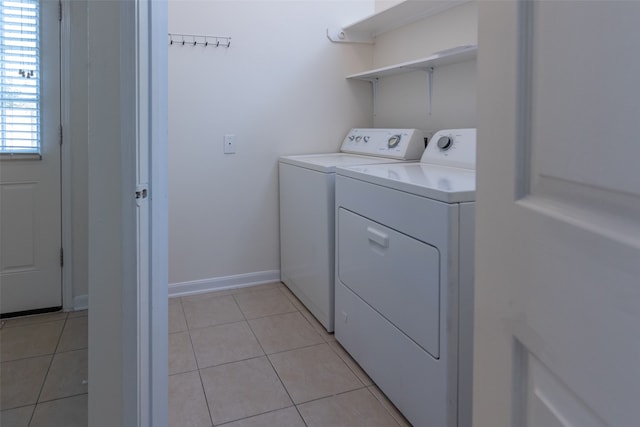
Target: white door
{"points": [[557, 309], [30, 233]]}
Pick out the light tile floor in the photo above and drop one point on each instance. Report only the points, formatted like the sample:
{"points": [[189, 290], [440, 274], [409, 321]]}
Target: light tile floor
{"points": [[43, 370], [250, 357], [256, 357]]}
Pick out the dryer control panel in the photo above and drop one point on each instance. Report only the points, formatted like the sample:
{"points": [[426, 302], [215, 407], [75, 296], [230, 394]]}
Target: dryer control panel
{"points": [[452, 147], [401, 144]]}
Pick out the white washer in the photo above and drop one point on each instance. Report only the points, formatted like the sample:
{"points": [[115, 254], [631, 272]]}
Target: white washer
{"points": [[404, 277], [307, 210]]}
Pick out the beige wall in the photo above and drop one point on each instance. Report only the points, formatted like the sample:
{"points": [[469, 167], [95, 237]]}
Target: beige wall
{"points": [[281, 89], [385, 4], [403, 99]]}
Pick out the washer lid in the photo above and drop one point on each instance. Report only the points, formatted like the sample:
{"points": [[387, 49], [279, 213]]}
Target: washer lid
{"points": [[444, 183], [327, 162]]}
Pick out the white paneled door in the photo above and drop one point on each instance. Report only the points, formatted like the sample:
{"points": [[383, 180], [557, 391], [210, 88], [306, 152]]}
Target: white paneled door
{"points": [[30, 233], [557, 310]]}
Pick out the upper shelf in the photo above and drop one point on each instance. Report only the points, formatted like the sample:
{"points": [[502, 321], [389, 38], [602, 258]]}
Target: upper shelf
{"points": [[438, 59], [396, 16]]}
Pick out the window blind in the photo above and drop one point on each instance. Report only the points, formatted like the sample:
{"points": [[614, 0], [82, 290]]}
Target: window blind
{"points": [[19, 76]]}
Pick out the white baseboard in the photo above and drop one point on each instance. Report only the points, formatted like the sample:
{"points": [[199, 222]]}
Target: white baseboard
{"points": [[223, 283], [80, 302]]}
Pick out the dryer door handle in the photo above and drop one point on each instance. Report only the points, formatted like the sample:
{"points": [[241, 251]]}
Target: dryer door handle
{"points": [[378, 237]]}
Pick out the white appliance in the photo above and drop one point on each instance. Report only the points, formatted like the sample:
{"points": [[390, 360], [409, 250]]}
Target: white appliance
{"points": [[307, 210], [404, 277]]}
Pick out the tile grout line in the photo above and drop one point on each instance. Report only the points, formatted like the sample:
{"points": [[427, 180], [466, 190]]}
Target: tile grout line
{"points": [[295, 310], [373, 384], [255, 357], [7, 322], [52, 400], [63, 398], [33, 412], [336, 394], [53, 356], [326, 340], [193, 350], [188, 331], [352, 360], [300, 415], [189, 328], [284, 387], [385, 406], [258, 415], [199, 370], [206, 401]]}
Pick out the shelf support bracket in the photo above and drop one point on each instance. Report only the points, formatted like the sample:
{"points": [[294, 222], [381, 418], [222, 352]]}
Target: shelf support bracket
{"points": [[374, 91], [339, 35], [430, 84]]}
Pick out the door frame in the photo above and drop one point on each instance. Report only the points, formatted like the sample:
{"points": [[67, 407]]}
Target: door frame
{"points": [[128, 337], [66, 158]]}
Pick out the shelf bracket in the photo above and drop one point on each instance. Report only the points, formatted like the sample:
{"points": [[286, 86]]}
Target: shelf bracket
{"points": [[374, 91], [339, 35], [430, 84]]}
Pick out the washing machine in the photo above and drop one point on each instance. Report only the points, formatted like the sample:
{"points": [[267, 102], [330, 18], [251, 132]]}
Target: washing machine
{"points": [[404, 277], [307, 200]]}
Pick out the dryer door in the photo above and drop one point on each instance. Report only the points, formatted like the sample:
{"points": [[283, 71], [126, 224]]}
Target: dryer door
{"points": [[395, 274]]}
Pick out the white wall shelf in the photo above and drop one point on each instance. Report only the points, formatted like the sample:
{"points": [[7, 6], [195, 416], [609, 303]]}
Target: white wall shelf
{"points": [[438, 59], [401, 14]]}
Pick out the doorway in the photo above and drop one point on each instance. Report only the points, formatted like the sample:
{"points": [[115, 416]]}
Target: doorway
{"points": [[30, 136]]}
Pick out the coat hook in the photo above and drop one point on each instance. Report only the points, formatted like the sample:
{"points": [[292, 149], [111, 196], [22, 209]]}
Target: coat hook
{"points": [[195, 40]]}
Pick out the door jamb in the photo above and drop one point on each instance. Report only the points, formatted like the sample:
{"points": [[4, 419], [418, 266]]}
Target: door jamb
{"points": [[66, 202]]}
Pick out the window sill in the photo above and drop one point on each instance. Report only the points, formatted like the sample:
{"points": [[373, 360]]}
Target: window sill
{"points": [[20, 156]]}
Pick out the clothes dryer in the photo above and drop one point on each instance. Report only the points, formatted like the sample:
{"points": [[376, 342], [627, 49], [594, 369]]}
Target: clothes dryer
{"points": [[404, 277]]}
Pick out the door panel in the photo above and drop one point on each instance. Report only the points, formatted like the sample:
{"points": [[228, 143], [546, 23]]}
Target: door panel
{"points": [[30, 221], [558, 215], [551, 404], [583, 105], [19, 246]]}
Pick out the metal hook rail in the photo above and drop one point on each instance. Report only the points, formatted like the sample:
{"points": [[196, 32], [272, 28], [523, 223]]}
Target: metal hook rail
{"points": [[194, 40]]}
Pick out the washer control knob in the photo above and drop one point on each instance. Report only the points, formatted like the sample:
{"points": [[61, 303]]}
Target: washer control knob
{"points": [[358, 138], [444, 143], [351, 137], [394, 141], [366, 139]]}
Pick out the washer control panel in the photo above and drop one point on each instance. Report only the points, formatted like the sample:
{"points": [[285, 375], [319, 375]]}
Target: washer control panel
{"points": [[452, 147], [402, 144]]}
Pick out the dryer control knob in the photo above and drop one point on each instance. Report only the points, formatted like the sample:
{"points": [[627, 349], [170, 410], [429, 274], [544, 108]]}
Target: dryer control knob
{"points": [[444, 143], [394, 141]]}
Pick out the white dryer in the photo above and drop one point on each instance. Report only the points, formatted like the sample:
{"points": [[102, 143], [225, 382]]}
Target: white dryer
{"points": [[307, 201], [404, 277]]}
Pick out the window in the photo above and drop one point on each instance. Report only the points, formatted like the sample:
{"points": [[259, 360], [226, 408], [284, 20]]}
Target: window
{"points": [[19, 77]]}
